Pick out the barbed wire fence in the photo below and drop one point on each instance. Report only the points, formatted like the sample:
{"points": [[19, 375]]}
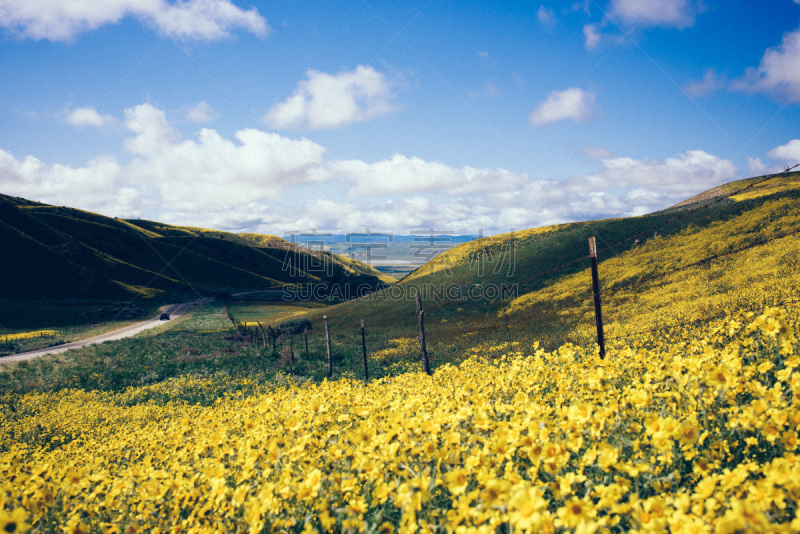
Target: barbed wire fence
{"points": [[377, 342]]}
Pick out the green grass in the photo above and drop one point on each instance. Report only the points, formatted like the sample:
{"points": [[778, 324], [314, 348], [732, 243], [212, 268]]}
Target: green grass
{"points": [[72, 320], [60, 252], [192, 344], [644, 288]]}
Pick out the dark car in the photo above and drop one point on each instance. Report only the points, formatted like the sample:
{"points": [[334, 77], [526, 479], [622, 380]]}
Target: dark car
{"points": [[164, 317]]}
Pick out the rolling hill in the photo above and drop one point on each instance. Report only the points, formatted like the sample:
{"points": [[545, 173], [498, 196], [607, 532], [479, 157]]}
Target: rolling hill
{"points": [[733, 247], [65, 253]]}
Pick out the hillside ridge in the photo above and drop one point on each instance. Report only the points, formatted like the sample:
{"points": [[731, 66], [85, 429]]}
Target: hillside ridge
{"points": [[67, 253]]}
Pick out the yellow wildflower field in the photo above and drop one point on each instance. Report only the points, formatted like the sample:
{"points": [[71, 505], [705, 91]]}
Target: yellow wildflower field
{"points": [[28, 335], [697, 433]]}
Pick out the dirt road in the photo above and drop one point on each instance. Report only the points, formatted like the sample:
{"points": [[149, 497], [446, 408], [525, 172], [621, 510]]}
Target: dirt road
{"points": [[175, 310]]}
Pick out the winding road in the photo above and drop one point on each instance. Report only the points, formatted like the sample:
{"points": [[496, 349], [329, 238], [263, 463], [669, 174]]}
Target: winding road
{"points": [[174, 310]]}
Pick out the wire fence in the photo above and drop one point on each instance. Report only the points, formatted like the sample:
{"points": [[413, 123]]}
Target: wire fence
{"points": [[410, 330]]}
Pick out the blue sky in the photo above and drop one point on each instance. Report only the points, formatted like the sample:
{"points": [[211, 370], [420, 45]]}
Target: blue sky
{"points": [[392, 116]]}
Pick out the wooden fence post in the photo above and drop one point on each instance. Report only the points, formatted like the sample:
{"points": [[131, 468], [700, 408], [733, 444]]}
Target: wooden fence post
{"points": [[598, 312], [263, 337], [423, 349], [364, 347], [306, 334], [328, 341], [291, 347]]}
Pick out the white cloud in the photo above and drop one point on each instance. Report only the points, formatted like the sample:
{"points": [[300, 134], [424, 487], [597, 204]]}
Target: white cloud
{"points": [[195, 176], [779, 71], [202, 112], [88, 116], [262, 181], [60, 20], [401, 174], [623, 187], [783, 156], [214, 171], [98, 186], [546, 16], [676, 177], [591, 36], [325, 101], [154, 132], [644, 13], [758, 167], [710, 83], [572, 103], [790, 152], [625, 18]]}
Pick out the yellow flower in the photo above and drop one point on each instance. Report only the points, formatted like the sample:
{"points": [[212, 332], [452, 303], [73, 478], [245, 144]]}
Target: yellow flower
{"points": [[789, 440], [75, 526], [495, 493], [14, 521], [574, 512], [689, 434], [718, 377], [608, 456], [457, 481], [525, 508], [770, 327], [309, 489]]}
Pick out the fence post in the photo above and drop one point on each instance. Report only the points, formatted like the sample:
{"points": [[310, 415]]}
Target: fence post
{"points": [[423, 349], [263, 337], [306, 334], [291, 347], [364, 347], [598, 312], [508, 330], [328, 341]]}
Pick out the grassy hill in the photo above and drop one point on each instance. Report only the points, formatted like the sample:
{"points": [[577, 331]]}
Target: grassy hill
{"points": [[64, 253], [732, 248]]}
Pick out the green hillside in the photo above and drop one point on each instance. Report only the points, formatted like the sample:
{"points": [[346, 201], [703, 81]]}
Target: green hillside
{"points": [[733, 248], [65, 253]]}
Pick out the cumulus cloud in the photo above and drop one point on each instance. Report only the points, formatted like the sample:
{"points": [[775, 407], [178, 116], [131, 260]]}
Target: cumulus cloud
{"points": [[262, 181], [591, 35], [190, 176], [546, 16], [212, 170], [202, 112], [782, 156], [88, 116], [98, 186], [401, 175], [645, 13], [778, 73], [572, 103], [622, 187], [790, 152], [634, 16], [154, 132], [710, 83], [675, 177], [325, 101], [59, 20]]}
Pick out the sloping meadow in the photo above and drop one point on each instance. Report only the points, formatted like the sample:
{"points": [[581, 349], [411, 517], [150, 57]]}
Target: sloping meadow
{"points": [[694, 434]]}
